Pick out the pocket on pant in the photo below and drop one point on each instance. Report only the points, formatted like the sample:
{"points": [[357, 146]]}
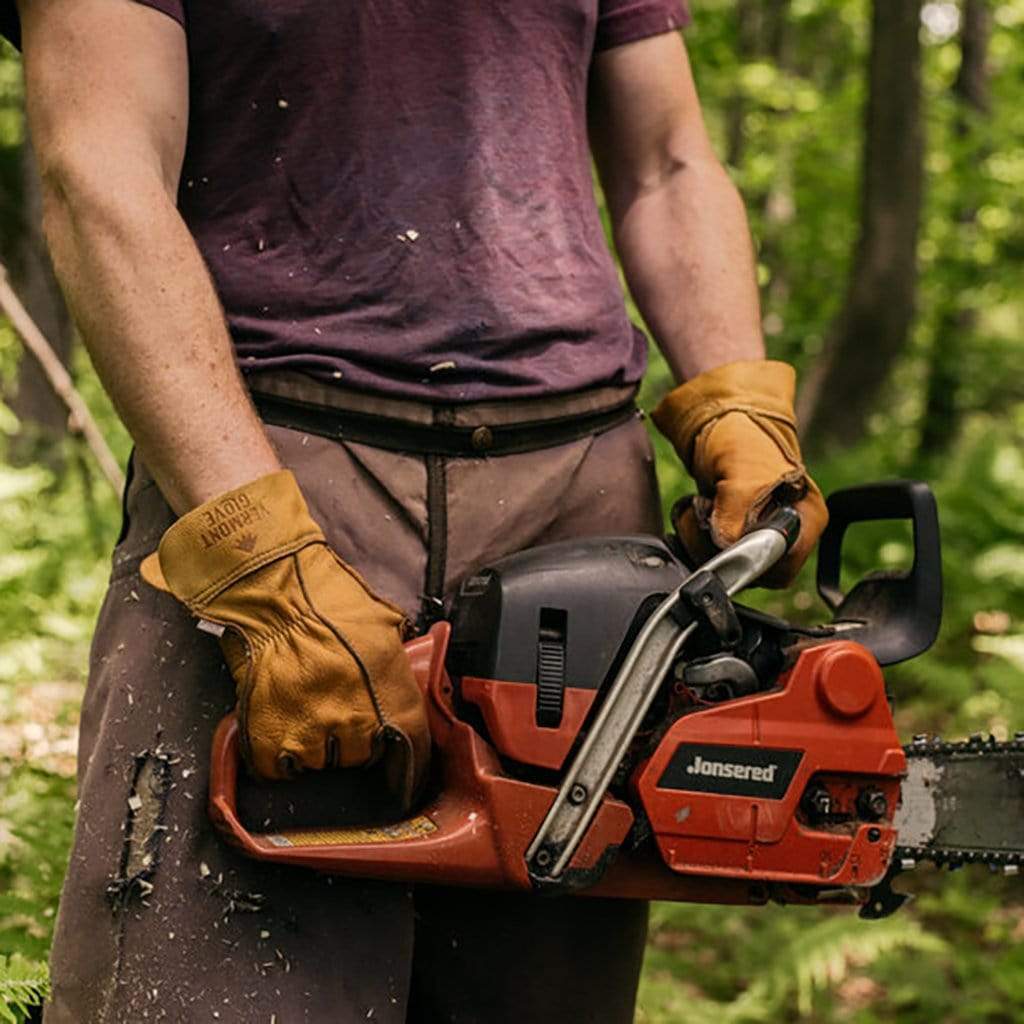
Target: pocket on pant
{"points": [[144, 518]]}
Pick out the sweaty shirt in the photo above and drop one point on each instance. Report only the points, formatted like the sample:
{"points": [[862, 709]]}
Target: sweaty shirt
{"points": [[397, 194]]}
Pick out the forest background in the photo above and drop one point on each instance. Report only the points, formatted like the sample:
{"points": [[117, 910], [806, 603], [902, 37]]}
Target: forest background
{"points": [[880, 149]]}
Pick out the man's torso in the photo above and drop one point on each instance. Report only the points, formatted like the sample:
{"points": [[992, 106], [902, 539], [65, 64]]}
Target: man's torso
{"points": [[398, 196]]}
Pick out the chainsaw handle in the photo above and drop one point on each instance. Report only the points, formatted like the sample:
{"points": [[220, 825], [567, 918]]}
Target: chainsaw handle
{"points": [[427, 658], [225, 758], [785, 520], [632, 691], [782, 519], [743, 563]]}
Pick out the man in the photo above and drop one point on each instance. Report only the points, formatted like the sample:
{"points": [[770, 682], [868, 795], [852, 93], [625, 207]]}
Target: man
{"points": [[383, 213]]}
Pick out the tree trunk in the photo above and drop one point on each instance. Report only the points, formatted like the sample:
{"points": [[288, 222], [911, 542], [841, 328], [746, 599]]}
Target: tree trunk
{"points": [[778, 206], [873, 328], [972, 81], [775, 33], [747, 32], [761, 32], [34, 401], [955, 321]]}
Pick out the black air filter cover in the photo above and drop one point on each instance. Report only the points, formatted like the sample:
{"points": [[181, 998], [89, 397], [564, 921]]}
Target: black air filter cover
{"points": [[599, 584]]}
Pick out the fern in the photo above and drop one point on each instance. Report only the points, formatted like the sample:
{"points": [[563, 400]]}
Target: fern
{"points": [[822, 957], [23, 984], [818, 958]]}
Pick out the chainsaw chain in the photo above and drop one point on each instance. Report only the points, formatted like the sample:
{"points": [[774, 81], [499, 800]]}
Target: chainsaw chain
{"points": [[935, 748]]}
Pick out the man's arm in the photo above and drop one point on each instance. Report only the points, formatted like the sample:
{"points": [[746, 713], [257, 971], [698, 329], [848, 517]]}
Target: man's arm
{"points": [[107, 95], [682, 235], [679, 224]]}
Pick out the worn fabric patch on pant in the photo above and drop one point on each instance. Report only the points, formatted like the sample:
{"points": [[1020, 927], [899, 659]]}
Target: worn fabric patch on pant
{"points": [[144, 826]]}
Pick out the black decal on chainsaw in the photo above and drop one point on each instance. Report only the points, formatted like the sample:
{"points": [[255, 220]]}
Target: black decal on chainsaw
{"points": [[731, 771]]}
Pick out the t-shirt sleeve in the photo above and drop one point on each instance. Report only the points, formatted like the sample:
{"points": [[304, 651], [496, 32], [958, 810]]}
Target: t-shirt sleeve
{"points": [[10, 28], [626, 21]]}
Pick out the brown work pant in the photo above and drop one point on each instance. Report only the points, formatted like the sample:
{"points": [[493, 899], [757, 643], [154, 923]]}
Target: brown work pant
{"points": [[160, 920]]}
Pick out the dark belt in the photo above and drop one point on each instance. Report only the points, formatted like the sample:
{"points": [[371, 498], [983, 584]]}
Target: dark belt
{"points": [[438, 438]]}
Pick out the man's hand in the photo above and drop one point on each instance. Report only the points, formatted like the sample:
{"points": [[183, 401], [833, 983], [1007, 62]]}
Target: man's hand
{"points": [[735, 430], [317, 657]]}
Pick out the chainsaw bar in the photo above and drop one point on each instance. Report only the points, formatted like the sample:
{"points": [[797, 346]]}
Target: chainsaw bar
{"points": [[962, 803]]}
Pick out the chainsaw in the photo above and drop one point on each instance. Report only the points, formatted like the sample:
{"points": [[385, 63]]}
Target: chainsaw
{"points": [[608, 721]]}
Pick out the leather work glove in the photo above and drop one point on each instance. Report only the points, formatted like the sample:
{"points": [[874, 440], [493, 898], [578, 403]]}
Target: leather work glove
{"points": [[735, 430], [317, 658]]}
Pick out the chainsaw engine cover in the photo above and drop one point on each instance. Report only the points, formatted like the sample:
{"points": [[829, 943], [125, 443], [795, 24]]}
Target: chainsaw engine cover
{"points": [[535, 635]]}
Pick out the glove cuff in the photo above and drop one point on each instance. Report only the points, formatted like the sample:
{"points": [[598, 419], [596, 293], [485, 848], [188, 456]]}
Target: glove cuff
{"points": [[216, 544], [760, 386]]}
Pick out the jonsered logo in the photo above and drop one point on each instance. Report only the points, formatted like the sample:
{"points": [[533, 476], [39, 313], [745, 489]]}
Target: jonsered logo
{"points": [[732, 770], [761, 772]]}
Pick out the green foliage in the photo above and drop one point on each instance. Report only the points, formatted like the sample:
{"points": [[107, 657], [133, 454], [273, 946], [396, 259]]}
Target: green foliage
{"points": [[36, 820], [806, 961], [823, 956], [956, 956], [56, 532], [23, 984], [11, 136], [52, 571]]}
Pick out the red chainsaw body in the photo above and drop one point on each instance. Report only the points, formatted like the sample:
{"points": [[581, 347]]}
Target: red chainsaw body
{"points": [[723, 791], [828, 722]]}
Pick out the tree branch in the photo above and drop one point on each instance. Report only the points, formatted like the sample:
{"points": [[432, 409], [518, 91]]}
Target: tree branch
{"points": [[80, 420]]}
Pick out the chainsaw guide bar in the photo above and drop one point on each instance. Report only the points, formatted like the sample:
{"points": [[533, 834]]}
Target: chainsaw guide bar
{"points": [[962, 803]]}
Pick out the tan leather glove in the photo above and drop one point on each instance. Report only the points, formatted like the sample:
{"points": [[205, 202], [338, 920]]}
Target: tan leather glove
{"points": [[735, 430], [317, 657]]}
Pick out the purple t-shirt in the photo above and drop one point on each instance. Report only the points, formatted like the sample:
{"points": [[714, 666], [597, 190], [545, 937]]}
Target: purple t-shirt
{"points": [[398, 195]]}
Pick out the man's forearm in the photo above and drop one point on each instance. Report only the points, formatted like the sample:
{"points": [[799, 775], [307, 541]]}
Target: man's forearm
{"points": [[685, 247], [147, 309]]}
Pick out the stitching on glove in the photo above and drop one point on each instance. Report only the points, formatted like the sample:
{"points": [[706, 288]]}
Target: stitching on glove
{"points": [[244, 693], [259, 636], [369, 590], [340, 637], [767, 426], [753, 411], [697, 422], [781, 439]]}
